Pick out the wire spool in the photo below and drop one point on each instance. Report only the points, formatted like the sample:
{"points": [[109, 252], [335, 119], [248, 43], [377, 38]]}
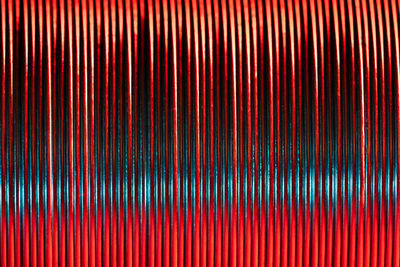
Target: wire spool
{"points": [[199, 133]]}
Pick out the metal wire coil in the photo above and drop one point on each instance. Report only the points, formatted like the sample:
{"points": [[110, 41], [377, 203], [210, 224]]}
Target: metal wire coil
{"points": [[199, 133]]}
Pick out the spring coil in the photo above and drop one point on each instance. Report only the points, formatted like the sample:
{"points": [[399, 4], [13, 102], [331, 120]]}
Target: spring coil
{"points": [[199, 133]]}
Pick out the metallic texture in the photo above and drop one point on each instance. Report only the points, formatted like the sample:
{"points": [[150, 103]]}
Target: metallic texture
{"points": [[199, 133]]}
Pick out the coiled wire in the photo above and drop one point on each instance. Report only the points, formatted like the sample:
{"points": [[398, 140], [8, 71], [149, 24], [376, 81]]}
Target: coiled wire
{"points": [[199, 133]]}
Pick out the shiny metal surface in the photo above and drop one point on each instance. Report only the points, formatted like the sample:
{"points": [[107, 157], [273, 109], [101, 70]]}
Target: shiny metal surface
{"points": [[199, 133]]}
